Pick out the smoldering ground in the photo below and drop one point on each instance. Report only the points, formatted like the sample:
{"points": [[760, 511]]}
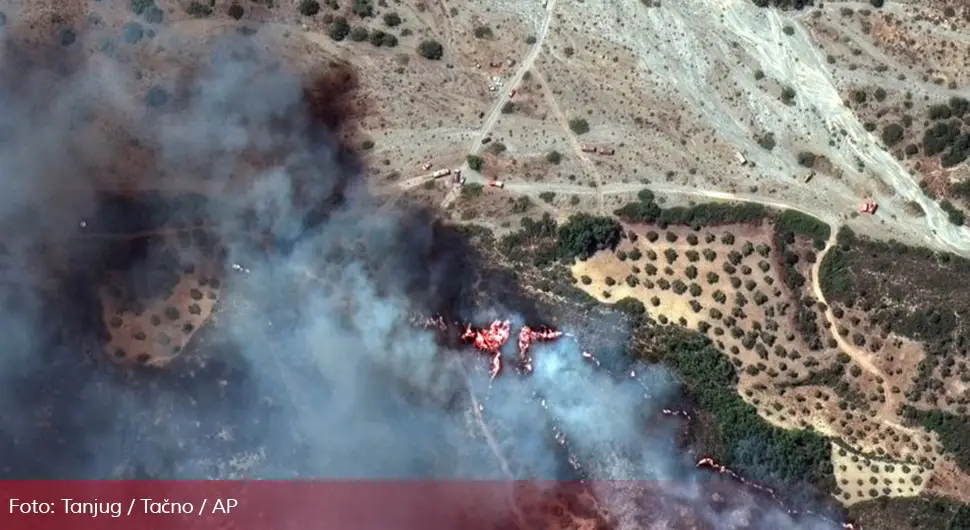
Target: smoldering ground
{"points": [[309, 368]]}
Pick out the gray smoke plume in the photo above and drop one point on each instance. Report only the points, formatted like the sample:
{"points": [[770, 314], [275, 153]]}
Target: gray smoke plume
{"points": [[310, 368]]}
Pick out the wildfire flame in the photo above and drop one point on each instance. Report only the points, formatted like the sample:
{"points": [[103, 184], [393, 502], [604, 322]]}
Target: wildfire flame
{"points": [[710, 463], [527, 336], [682, 413], [491, 339]]}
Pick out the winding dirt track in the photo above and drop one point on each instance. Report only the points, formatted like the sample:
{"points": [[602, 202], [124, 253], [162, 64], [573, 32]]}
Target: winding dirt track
{"points": [[802, 64], [475, 146]]}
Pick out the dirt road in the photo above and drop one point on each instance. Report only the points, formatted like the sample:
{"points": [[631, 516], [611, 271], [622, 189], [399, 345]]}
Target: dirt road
{"points": [[887, 412], [794, 60], [475, 146], [535, 188]]}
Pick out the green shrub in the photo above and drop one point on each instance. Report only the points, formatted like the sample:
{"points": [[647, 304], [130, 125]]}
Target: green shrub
{"points": [[806, 159], [363, 8], [475, 162], [309, 8], [377, 38], [631, 306], [553, 157], [954, 215], [794, 222], [198, 10], [389, 41], [358, 34], [483, 32], [892, 134], [579, 126], [788, 95], [156, 96], [339, 29], [583, 234], [392, 19], [431, 49], [767, 141]]}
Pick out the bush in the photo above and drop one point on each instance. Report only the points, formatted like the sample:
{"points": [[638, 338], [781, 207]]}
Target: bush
{"points": [[358, 34], [939, 112], [892, 134], [363, 8], [959, 106], [794, 222], [579, 126], [392, 19], [767, 141], [390, 41], [236, 11], [339, 29], [156, 96], [132, 33], [806, 159], [309, 8], [508, 107], [631, 306], [475, 162], [553, 157], [788, 95], [547, 196], [198, 10], [954, 215], [379, 38], [583, 234], [140, 6], [431, 49], [483, 32]]}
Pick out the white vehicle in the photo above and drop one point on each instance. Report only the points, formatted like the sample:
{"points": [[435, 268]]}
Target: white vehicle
{"points": [[441, 173]]}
